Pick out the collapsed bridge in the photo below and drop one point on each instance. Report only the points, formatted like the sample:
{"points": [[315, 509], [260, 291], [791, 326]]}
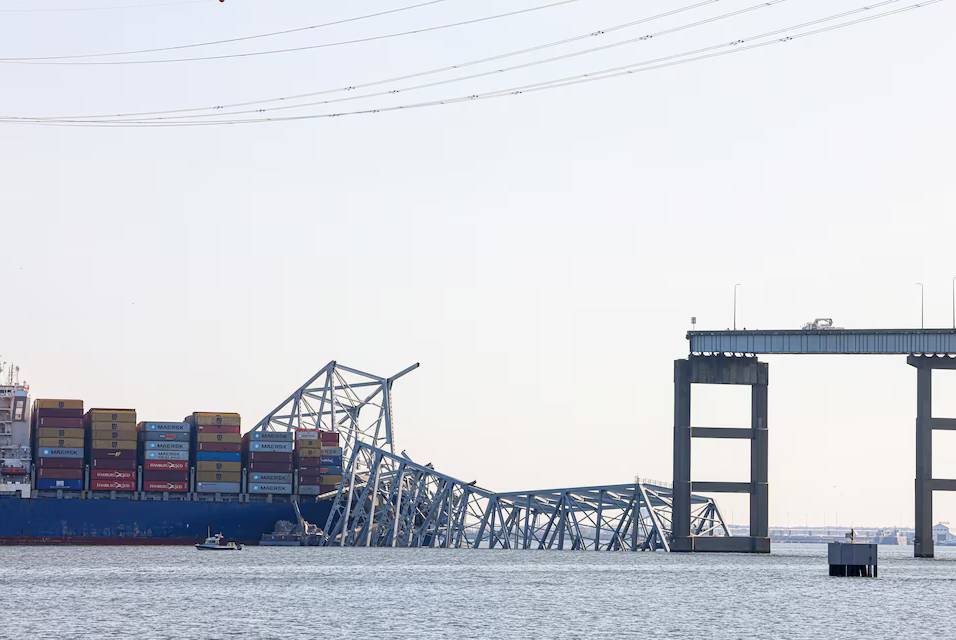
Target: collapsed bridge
{"points": [[387, 499]]}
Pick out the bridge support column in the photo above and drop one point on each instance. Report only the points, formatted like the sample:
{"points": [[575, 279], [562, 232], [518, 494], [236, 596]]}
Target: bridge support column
{"points": [[720, 370], [925, 425]]}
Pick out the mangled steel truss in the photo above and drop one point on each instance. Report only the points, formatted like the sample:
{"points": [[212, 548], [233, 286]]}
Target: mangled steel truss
{"points": [[402, 503], [387, 499]]}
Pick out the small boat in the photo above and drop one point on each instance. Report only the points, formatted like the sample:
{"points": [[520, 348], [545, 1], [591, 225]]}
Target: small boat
{"points": [[218, 543]]}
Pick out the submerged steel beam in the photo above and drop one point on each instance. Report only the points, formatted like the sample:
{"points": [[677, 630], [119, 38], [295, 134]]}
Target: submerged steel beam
{"points": [[404, 503]]}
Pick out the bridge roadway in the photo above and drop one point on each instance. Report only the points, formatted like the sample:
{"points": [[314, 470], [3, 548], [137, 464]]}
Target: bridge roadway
{"points": [[730, 357]]}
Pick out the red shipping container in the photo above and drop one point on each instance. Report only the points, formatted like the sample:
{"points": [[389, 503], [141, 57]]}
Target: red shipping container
{"points": [[60, 463], [166, 476], [112, 485], [270, 456], [112, 463], [225, 447], [58, 413], [59, 422], [217, 428], [271, 467], [165, 465], [60, 474], [174, 487], [113, 454], [113, 474], [329, 438]]}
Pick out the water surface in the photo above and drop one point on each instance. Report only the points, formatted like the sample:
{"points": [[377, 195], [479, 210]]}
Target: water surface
{"points": [[261, 592]]}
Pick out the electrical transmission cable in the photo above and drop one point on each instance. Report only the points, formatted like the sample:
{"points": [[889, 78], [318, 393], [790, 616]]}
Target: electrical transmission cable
{"points": [[734, 46], [484, 74], [219, 109], [78, 59], [108, 8]]}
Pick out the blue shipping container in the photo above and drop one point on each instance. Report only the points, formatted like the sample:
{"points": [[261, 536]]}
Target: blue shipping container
{"points": [[167, 446], [280, 436], [167, 455], [60, 452], [45, 483], [280, 447], [330, 461], [218, 456], [217, 487], [283, 478], [178, 427]]}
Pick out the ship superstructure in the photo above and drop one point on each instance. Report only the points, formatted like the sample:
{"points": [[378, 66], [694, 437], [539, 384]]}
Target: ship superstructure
{"points": [[15, 453]]}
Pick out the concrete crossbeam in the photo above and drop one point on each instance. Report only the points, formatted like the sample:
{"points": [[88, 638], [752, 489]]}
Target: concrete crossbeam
{"points": [[741, 433], [943, 424], [720, 487], [939, 484]]}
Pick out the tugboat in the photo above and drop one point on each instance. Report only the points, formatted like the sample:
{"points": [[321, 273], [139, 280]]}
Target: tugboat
{"points": [[218, 543]]}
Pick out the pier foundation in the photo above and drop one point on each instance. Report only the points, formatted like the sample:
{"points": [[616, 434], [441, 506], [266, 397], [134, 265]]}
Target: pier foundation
{"points": [[720, 369], [925, 425]]}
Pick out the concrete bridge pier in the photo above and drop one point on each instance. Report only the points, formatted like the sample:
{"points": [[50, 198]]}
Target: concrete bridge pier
{"points": [[925, 425], [720, 369]]}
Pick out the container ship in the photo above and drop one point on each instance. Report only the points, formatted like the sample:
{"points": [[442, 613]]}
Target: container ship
{"points": [[72, 475]]}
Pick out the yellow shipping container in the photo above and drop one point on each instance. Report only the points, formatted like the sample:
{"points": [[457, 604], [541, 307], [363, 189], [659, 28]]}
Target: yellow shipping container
{"points": [[62, 442], [112, 415], [59, 432], [330, 479], [109, 424], [58, 404], [232, 438], [309, 452], [126, 436], [208, 465], [126, 445], [211, 418], [218, 476]]}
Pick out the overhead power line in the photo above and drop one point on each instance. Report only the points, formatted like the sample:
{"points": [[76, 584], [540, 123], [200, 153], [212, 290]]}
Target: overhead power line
{"points": [[492, 72], [82, 59], [107, 8], [218, 109], [774, 37], [779, 36]]}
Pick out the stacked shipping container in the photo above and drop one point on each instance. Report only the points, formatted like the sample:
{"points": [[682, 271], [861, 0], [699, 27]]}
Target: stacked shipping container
{"points": [[217, 447], [166, 455], [111, 440], [318, 461], [58, 449], [330, 464], [269, 457]]}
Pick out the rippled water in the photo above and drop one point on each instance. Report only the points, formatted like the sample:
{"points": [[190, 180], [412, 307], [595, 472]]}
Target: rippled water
{"points": [[260, 592]]}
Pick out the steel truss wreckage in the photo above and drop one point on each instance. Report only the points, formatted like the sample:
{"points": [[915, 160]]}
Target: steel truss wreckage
{"points": [[387, 499]]}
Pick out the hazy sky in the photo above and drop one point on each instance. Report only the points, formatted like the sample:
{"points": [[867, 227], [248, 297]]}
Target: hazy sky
{"points": [[540, 255]]}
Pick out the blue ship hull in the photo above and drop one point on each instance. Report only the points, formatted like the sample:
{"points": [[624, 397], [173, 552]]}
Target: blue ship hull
{"points": [[48, 520]]}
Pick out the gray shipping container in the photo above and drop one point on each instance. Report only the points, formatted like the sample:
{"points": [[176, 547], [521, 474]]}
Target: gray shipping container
{"points": [[178, 427], [166, 446], [61, 452], [166, 455], [281, 478], [331, 451], [277, 436], [217, 487], [280, 447], [166, 436], [309, 490], [270, 488]]}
